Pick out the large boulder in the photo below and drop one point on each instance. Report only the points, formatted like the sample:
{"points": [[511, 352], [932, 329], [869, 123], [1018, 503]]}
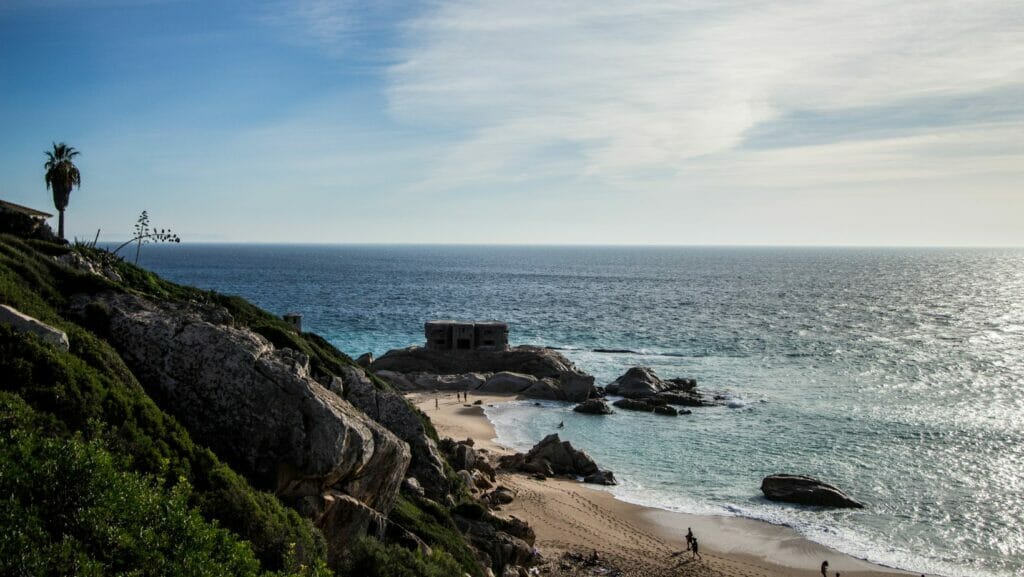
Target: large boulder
{"points": [[552, 456], [21, 322], [392, 410], [561, 456], [806, 491], [593, 407], [256, 406], [638, 382]]}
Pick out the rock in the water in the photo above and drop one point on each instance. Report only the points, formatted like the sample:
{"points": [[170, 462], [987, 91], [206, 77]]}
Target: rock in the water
{"points": [[561, 457], [639, 382], [593, 407], [634, 405], [601, 478], [681, 398], [806, 491], [665, 410], [21, 322]]}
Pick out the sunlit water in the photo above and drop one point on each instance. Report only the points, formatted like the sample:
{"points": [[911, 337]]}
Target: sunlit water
{"points": [[897, 374]]}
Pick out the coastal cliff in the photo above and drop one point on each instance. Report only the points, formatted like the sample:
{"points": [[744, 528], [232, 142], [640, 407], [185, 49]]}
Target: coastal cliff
{"points": [[240, 444]]}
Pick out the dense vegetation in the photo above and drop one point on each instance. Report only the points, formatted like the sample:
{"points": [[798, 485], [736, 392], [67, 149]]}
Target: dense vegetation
{"points": [[96, 479]]}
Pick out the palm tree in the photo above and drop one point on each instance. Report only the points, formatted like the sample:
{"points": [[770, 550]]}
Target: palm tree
{"points": [[61, 176]]}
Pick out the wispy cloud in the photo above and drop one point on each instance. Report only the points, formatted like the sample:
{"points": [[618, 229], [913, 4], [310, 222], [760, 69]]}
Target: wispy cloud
{"points": [[628, 88], [356, 29]]}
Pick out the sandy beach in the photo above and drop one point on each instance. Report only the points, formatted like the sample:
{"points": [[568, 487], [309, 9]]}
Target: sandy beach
{"points": [[573, 517]]}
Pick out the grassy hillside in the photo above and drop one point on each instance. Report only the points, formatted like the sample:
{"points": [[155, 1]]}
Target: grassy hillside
{"points": [[97, 479]]}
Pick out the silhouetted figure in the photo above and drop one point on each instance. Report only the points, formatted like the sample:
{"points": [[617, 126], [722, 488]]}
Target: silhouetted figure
{"points": [[689, 538], [695, 547], [435, 403], [824, 569], [561, 425]]}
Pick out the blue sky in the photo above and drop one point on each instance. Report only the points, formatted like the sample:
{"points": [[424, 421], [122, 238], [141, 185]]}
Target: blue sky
{"points": [[643, 122]]}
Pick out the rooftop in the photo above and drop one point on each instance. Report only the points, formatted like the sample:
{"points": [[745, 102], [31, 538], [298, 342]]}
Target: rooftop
{"points": [[12, 207]]}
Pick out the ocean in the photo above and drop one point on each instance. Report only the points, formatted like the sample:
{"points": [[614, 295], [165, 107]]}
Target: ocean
{"points": [[896, 374]]}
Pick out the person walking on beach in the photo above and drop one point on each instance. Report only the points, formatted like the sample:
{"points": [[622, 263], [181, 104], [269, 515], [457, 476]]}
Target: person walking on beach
{"points": [[824, 569], [695, 547], [435, 403], [689, 538]]}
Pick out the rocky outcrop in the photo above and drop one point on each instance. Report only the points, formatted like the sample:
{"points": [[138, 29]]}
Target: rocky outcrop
{"points": [[644, 383], [533, 372], [391, 410], [806, 491], [503, 542], [593, 407], [258, 408], [507, 382], [638, 382], [75, 260], [21, 322], [553, 456], [528, 360]]}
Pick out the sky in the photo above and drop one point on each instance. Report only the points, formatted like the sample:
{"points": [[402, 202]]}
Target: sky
{"points": [[822, 122]]}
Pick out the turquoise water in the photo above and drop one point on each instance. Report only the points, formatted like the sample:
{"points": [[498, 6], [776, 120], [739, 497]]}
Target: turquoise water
{"points": [[897, 374]]}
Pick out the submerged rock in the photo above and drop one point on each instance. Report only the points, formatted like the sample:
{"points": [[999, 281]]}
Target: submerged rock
{"points": [[601, 478], [665, 410], [593, 407], [806, 491]]}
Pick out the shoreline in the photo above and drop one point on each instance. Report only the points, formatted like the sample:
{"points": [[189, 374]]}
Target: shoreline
{"points": [[571, 516]]}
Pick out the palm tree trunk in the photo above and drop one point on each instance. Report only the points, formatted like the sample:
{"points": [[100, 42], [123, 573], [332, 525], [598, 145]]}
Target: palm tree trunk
{"points": [[60, 225]]}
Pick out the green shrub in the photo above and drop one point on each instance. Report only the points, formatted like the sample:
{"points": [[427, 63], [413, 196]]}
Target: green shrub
{"points": [[67, 510], [95, 394], [370, 558], [432, 523]]}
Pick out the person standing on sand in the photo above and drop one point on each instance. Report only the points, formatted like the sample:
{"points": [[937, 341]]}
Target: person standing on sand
{"points": [[435, 403], [695, 547], [824, 569], [689, 538]]}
